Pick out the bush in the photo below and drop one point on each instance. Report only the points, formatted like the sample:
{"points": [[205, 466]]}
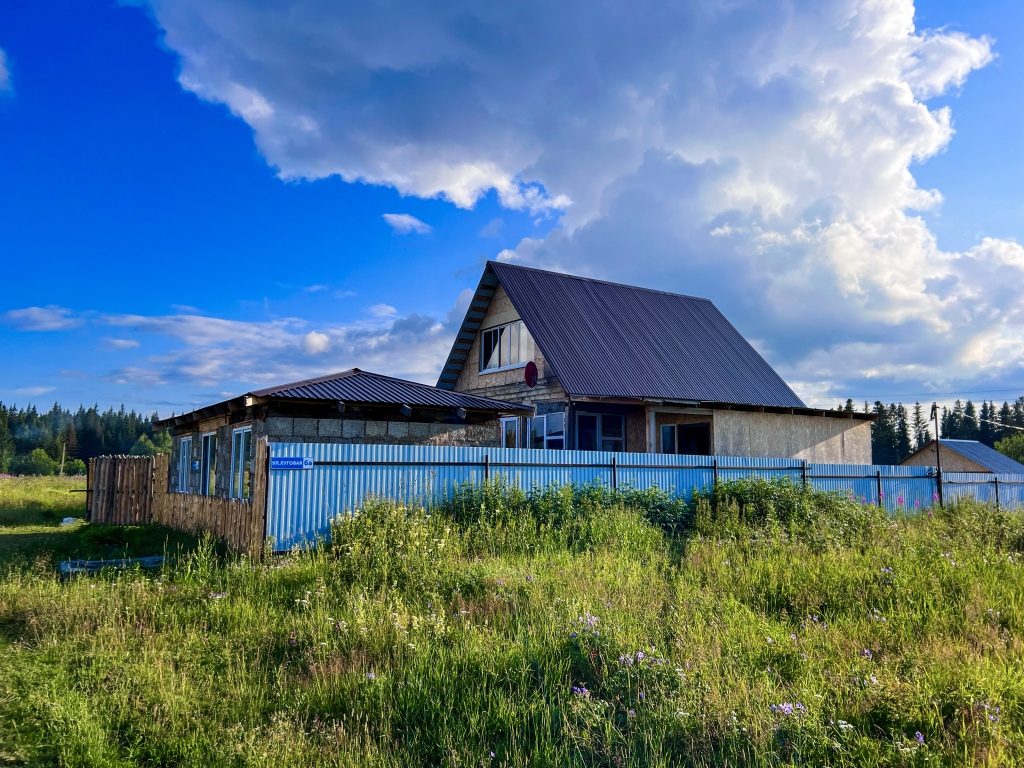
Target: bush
{"points": [[1012, 446], [35, 463]]}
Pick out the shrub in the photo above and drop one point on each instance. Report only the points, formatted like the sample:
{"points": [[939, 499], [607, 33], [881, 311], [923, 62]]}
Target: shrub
{"points": [[35, 463]]}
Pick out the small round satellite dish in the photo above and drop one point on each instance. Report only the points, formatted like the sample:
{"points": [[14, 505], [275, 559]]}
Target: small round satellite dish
{"points": [[530, 374]]}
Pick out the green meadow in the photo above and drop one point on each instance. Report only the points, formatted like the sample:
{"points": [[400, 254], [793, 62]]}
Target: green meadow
{"points": [[764, 626]]}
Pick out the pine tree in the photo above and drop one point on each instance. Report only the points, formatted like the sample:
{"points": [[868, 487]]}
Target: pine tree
{"points": [[969, 422], [849, 405], [984, 425], [946, 424], [919, 428], [901, 427], [1005, 419]]}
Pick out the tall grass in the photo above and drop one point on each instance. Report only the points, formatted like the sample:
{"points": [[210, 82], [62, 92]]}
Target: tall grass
{"points": [[765, 626]]}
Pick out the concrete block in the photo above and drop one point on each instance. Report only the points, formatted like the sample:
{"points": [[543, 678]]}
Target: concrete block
{"points": [[376, 429], [437, 428], [304, 428], [398, 429], [353, 428], [279, 426], [329, 428], [419, 429]]}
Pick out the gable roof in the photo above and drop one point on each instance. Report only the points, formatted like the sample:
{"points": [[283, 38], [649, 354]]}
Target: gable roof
{"points": [[979, 453], [358, 388], [610, 340]]}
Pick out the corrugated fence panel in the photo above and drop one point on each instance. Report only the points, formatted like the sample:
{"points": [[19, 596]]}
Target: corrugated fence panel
{"points": [[303, 502]]}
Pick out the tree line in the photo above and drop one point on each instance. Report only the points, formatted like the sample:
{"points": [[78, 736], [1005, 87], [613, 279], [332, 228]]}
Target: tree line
{"points": [[36, 443], [899, 431]]}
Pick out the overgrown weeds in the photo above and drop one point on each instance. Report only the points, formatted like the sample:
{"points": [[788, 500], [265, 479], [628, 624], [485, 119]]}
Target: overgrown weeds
{"points": [[559, 627]]}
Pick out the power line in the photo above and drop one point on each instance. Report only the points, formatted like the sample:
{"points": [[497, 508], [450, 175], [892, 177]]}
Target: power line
{"points": [[916, 394]]}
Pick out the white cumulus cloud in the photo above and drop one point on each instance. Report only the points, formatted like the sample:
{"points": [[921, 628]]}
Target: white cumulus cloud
{"points": [[758, 152], [50, 318], [403, 223]]}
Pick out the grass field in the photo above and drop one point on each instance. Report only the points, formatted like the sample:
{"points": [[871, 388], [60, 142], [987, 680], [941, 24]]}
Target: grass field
{"points": [[766, 626]]}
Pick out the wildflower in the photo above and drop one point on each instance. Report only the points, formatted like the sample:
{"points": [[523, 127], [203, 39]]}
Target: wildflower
{"points": [[770, 641], [371, 676], [881, 494], [919, 737], [581, 691], [492, 755], [641, 695], [899, 500], [792, 636], [632, 713], [639, 655], [935, 497], [866, 653], [917, 503]]}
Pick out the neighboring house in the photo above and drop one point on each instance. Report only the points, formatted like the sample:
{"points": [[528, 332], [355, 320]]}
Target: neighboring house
{"points": [[623, 368], [965, 456], [213, 446]]}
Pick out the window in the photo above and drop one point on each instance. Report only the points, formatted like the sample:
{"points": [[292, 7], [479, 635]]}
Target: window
{"points": [[600, 432], [208, 476], [690, 439], [548, 431], [184, 464], [510, 433], [241, 462], [505, 346]]}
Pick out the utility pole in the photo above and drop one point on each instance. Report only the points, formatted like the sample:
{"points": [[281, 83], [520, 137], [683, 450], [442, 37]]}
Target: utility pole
{"points": [[938, 448]]}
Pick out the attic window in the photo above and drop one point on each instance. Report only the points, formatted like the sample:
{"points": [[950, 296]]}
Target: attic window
{"points": [[505, 346]]}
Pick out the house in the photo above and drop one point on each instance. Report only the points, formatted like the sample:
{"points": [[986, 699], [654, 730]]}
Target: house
{"points": [[212, 447], [964, 456], [620, 368]]}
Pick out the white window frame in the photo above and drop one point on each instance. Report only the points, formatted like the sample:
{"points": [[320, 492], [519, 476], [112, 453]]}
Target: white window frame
{"points": [[600, 431], [548, 436], [514, 420], [185, 464], [505, 332], [239, 460], [205, 469]]}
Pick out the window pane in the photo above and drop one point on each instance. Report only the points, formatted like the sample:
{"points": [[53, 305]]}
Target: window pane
{"points": [[490, 350], [184, 464], [509, 433], [586, 432], [209, 465], [668, 439], [556, 424], [513, 344], [525, 344], [556, 445], [246, 462], [695, 439], [537, 432], [611, 445], [613, 427], [236, 463]]}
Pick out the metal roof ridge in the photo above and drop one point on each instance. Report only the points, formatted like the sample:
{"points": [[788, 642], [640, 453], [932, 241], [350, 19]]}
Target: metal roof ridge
{"points": [[504, 264], [302, 382]]}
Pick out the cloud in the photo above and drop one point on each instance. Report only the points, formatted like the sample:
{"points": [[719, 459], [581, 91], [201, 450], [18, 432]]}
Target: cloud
{"points": [[211, 353], [5, 73], [51, 318], [33, 391], [403, 223], [120, 343], [760, 153], [493, 228], [383, 310], [314, 343], [315, 288]]}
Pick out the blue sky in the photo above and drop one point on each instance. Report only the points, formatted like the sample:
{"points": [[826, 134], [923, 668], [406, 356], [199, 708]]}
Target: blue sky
{"points": [[174, 224]]}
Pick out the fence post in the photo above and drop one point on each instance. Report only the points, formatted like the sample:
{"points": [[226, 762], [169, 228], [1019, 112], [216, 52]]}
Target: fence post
{"points": [[714, 471], [938, 482], [803, 472], [487, 466], [997, 491], [878, 479], [615, 474]]}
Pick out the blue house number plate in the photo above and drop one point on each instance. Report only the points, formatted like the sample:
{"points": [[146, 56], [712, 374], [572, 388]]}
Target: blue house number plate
{"points": [[291, 462]]}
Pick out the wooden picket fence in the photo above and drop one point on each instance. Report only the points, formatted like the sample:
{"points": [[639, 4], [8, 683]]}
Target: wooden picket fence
{"points": [[133, 490]]}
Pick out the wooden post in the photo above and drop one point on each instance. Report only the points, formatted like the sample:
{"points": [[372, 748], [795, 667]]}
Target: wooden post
{"points": [[487, 466], [878, 477], [803, 472], [615, 474], [997, 491], [714, 471]]}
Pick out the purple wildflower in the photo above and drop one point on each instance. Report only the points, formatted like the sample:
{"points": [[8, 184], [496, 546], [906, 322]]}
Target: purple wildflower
{"points": [[919, 737], [866, 653]]}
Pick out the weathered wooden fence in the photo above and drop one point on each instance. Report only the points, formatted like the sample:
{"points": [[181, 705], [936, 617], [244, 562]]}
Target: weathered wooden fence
{"points": [[132, 490]]}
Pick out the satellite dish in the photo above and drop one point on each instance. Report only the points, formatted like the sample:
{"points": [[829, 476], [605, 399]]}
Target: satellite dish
{"points": [[530, 374]]}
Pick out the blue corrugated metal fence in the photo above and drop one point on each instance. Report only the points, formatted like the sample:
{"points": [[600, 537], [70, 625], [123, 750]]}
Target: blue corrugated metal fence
{"points": [[302, 502]]}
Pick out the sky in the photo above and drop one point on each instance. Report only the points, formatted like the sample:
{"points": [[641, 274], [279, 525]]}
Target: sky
{"points": [[202, 197]]}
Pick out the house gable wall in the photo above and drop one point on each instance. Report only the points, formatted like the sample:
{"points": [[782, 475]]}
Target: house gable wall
{"points": [[506, 385], [951, 461]]}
